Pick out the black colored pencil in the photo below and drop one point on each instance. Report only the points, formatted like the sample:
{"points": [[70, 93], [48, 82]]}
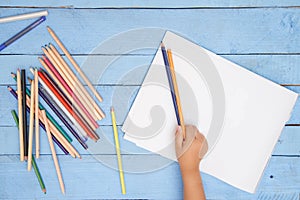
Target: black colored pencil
{"points": [[54, 107], [25, 131]]}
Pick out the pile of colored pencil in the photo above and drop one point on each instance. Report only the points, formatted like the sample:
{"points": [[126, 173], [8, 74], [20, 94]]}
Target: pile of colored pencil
{"points": [[65, 94]]}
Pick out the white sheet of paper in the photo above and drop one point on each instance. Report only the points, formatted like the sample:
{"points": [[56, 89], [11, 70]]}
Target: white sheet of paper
{"points": [[241, 114]]}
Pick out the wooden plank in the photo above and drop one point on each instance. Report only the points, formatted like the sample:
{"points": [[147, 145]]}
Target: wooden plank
{"points": [[131, 69], [88, 179], [150, 4], [287, 145], [121, 97], [224, 31]]}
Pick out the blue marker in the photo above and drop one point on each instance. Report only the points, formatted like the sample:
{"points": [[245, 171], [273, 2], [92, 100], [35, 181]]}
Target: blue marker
{"points": [[21, 33]]}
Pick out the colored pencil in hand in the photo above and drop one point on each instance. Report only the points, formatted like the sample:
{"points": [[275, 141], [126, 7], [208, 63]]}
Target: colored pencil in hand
{"points": [[176, 91], [167, 67]]}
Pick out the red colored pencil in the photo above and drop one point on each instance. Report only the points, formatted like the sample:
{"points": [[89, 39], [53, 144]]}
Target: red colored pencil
{"points": [[68, 107]]}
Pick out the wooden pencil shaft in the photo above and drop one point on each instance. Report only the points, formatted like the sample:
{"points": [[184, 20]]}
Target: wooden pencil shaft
{"points": [[117, 145], [59, 137], [60, 44], [169, 76], [35, 167], [62, 110], [77, 118], [20, 110], [70, 94], [81, 88], [25, 133], [53, 90], [176, 91], [54, 107], [61, 130], [67, 81], [37, 130], [67, 91], [14, 93], [24, 16], [57, 168], [84, 126], [31, 122], [57, 134]]}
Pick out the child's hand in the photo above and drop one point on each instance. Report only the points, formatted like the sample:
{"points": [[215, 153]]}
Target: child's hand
{"points": [[190, 151]]}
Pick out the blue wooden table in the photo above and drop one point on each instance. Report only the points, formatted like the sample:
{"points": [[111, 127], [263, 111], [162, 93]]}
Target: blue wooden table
{"points": [[262, 36]]}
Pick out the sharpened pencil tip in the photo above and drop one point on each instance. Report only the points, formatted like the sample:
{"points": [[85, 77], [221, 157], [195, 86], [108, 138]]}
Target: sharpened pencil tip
{"points": [[162, 45], [112, 109], [44, 190]]}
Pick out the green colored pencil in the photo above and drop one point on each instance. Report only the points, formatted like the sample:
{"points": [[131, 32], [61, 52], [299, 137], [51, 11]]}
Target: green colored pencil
{"points": [[59, 128], [35, 167]]}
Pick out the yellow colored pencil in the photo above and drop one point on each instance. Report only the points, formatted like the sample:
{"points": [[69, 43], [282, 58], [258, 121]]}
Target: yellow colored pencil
{"points": [[117, 144], [178, 102]]}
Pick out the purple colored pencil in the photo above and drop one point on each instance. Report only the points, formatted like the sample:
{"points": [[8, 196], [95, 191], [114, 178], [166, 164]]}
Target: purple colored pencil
{"points": [[13, 92], [54, 108]]}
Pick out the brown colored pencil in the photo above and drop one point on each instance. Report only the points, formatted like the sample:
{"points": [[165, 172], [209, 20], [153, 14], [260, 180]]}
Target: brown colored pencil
{"points": [[55, 160], [60, 44], [70, 82], [21, 135], [91, 121], [82, 89], [56, 133], [75, 87], [178, 102], [31, 122]]}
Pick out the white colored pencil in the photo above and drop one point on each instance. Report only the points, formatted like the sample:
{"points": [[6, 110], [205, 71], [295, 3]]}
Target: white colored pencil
{"points": [[24, 16]]}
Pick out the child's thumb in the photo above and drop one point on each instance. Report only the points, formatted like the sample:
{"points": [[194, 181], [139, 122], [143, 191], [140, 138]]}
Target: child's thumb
{"points": [[178, 138]]}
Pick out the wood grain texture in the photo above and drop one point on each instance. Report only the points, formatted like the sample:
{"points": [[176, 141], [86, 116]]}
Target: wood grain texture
{"points": [[150, 4], [89, 179], [224, 31], [262, 36]]}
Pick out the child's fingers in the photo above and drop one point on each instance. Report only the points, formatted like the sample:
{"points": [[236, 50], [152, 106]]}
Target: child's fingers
{"points": [[178, 138]]}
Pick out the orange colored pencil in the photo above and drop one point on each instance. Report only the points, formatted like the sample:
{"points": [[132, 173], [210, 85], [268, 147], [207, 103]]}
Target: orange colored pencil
{"points": [[178, 102], [68, 107]]}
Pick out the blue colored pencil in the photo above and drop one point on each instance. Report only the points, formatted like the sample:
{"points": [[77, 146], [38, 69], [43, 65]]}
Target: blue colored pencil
{"points": [[22, 32], [169, 75]]}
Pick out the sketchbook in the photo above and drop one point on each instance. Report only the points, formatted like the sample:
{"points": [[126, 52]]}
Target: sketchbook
{"points": [[241, 113]]}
